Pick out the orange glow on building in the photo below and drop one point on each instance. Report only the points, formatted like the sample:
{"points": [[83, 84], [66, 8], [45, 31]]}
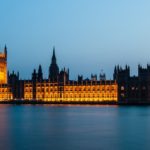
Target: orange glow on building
{"points": [[92, 91], [5, 92], [28, 88], [57, 88], [3, 67]]}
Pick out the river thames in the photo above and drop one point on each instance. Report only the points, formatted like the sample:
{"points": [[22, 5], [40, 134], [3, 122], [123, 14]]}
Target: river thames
{"points": [[73, 127]]}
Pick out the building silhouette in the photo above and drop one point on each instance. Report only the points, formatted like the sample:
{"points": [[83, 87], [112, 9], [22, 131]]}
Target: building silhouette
{"points": [[53, 69], [5, 90], [58, 87], [3, 66], [133, 89]]}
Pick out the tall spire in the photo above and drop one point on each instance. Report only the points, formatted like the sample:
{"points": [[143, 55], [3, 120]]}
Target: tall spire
{"points": [[5, 48], [40, 69], [53, 56], [53, 69], [40, 73], [5, 51]]}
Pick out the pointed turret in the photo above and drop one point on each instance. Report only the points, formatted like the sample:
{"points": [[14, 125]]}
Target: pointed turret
{"points": [[115, 72], [40, 69], [53, 56], [5, 51], [40, 73], [53, 69], [34, 75]]}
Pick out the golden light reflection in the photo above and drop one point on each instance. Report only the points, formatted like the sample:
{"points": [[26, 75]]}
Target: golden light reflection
{"points": [[72, 93]]}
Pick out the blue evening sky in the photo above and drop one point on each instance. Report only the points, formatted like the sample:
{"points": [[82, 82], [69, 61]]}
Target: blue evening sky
{"points": [[89, 35]]}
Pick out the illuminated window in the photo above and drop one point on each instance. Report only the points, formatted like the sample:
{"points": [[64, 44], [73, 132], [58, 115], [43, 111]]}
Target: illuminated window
{"points": [[133, 88], [122, 88]]}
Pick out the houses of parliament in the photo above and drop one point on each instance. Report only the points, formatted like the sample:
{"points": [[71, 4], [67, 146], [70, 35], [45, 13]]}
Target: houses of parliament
{"points": [[59, 88]]}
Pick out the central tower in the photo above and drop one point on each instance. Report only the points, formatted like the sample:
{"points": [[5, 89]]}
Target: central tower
{"points": [[53, 69], [3, 66]]}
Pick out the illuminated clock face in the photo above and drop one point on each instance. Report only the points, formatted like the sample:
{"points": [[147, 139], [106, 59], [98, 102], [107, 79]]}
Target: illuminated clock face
{"points": [[2, 74]]}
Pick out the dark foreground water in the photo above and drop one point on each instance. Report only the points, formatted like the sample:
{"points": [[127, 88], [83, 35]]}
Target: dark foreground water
{"points": [[46, 127]]}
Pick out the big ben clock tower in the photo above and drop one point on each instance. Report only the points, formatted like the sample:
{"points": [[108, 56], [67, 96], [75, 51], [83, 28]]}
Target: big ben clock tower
{"points": [[3, 66]]}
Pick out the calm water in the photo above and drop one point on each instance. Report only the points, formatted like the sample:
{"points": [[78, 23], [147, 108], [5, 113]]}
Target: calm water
{"points": [[45, 127]]}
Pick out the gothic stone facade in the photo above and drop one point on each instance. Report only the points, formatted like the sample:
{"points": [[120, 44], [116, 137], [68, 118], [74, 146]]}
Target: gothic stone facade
{"points": [[133, 89], [59, 88]]}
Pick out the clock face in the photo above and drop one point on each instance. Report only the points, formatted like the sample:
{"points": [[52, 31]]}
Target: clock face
{"points": [[2, 75]]}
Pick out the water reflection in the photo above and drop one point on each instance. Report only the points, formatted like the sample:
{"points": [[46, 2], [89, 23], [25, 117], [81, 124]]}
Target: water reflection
{"points": [[47, 127], [5, 127]]}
